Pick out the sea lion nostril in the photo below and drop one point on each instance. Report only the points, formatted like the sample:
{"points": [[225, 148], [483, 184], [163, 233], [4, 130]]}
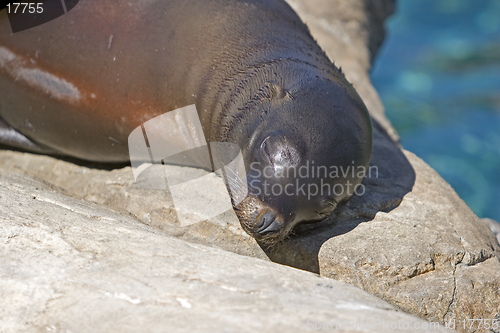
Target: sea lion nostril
{"points": [[273, 227], [267, 223]]}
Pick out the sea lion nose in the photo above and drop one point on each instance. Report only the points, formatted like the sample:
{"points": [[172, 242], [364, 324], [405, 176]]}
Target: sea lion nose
{"points": [[267, 224]]}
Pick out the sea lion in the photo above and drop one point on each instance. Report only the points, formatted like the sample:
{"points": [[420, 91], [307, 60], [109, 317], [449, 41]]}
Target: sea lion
{"points": [[80, 84]]}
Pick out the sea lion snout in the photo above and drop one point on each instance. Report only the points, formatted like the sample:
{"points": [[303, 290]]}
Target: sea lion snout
{"points": [[275, 203], [260, 221], [271, 219]]}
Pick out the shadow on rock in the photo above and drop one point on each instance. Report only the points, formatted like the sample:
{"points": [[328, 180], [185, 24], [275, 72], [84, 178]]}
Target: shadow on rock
{"points": [[389, 179], [69, 159]]}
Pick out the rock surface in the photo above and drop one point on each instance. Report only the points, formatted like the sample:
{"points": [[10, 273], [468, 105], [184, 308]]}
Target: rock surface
{"points": [[72, 266], [409, 239], [494, 227]]}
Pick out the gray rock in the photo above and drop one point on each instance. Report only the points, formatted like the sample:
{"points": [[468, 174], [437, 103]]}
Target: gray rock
{"points": [[409, 239], [72, 266], [116, 189], [423, 256], [494, 227]]}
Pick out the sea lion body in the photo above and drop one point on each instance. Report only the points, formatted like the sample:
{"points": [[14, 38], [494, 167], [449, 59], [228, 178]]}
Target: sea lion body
{"points": [[80, 84]]}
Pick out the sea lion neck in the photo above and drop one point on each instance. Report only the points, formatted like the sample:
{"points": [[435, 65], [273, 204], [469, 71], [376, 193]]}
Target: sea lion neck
{"points": [[255, 94]]}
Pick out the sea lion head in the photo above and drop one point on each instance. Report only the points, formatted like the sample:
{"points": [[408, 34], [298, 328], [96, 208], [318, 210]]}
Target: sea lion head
{"points": [[309, 150]]}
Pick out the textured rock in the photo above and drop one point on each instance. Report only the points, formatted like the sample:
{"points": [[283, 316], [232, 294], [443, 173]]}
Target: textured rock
{"points": [[71, 266], [430, 256], [494, 227], [116, 189], [409, 239]]}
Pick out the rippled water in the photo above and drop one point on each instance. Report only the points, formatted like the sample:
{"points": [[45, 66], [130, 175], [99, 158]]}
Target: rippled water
{"points": [[438, 75]]}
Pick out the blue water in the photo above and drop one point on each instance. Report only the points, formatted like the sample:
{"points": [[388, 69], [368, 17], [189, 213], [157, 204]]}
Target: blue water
{"points": [[438, 74]]}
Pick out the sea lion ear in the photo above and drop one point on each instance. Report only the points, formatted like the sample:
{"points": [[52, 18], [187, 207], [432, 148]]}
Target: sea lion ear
{"points": [[264, 151], [277, 151]]}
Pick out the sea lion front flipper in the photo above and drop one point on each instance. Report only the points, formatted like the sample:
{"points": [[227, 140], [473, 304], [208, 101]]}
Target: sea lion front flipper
{"points": [[11, 137]]}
